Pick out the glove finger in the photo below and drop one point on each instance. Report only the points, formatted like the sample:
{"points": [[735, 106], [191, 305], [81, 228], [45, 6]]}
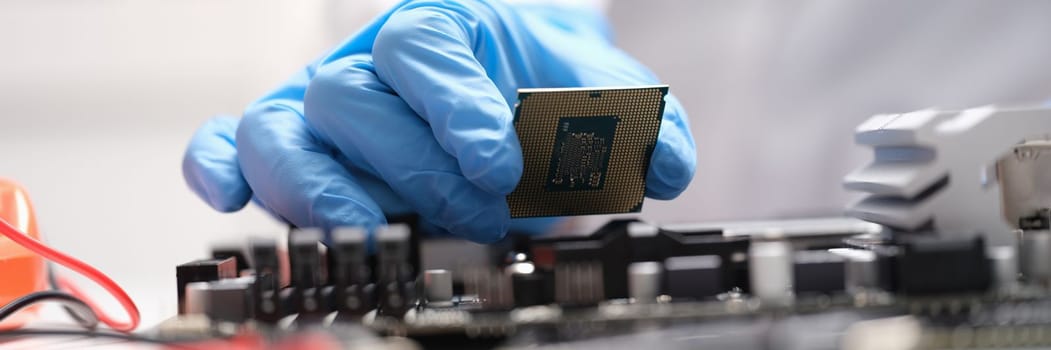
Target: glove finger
{"points": [[380, 192], [363, 117], [424, 53], [210, 166], [674, 158], [294, 175]]}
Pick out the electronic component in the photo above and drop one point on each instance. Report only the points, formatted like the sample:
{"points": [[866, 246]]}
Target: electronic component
{"points": [[585, 151], [306, 270], [351, 290], [936, 168], [1034, 252], [649, 245], [818, 271], [228, 300], [861, 270], [644, 281], [780, 281], [531, 288], [770, 268], [490, 286], [927, 278], [265, 263], [264, 257], [395, 270], [1004, 263], [579, 283], [231, 250], [1024, 175], [608, 248], [202, 271], [438, 286], [695, 277], [555, 289], [927, 266]]}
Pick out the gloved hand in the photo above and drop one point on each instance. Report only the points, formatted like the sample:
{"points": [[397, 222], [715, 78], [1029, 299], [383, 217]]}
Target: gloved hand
{"points": [[414, 114]]}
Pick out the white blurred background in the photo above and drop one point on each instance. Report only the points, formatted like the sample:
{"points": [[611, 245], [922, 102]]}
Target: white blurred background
{"points": [[99, 97]]}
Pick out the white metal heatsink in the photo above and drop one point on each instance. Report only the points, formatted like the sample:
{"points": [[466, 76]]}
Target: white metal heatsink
{"points": [[937, 169]]}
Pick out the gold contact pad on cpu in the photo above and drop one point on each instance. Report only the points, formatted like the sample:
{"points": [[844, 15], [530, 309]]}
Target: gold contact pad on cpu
{"points": [[585, 150]]}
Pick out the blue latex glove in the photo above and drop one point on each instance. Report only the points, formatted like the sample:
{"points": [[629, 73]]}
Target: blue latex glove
{"points": [[414, 114]]}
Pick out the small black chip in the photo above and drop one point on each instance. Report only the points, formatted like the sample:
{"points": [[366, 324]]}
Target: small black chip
{"points": [[585, 151], [582, 148]]}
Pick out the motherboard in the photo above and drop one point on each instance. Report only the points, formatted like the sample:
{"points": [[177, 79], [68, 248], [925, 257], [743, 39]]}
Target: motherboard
{"points": [[919, 266]]}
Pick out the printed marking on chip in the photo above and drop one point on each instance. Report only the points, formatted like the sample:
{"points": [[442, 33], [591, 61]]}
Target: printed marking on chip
{"points": [[586, 151]]}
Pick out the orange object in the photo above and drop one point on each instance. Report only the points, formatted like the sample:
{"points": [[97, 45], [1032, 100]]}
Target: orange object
{"points": [[23, 238], [21, 271]]}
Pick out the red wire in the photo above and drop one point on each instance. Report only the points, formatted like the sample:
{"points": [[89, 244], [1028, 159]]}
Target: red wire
{"points": [[68, 285], [84, 269]]}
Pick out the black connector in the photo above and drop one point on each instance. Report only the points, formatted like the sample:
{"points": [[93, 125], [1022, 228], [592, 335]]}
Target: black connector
{"points": [[696, 277], [818, 271], [933, 265], [202, 271], [606, 253], [236, 251]]}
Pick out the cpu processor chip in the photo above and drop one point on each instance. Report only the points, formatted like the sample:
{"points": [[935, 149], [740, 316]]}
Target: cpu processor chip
{"points": [[586, 150]]}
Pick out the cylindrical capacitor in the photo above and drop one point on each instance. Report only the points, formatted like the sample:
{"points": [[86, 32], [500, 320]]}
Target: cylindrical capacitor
{"points": [[1034, 256], [770, 272], [1004, 261], [438, 286], [861, 270], [644, 281]]}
